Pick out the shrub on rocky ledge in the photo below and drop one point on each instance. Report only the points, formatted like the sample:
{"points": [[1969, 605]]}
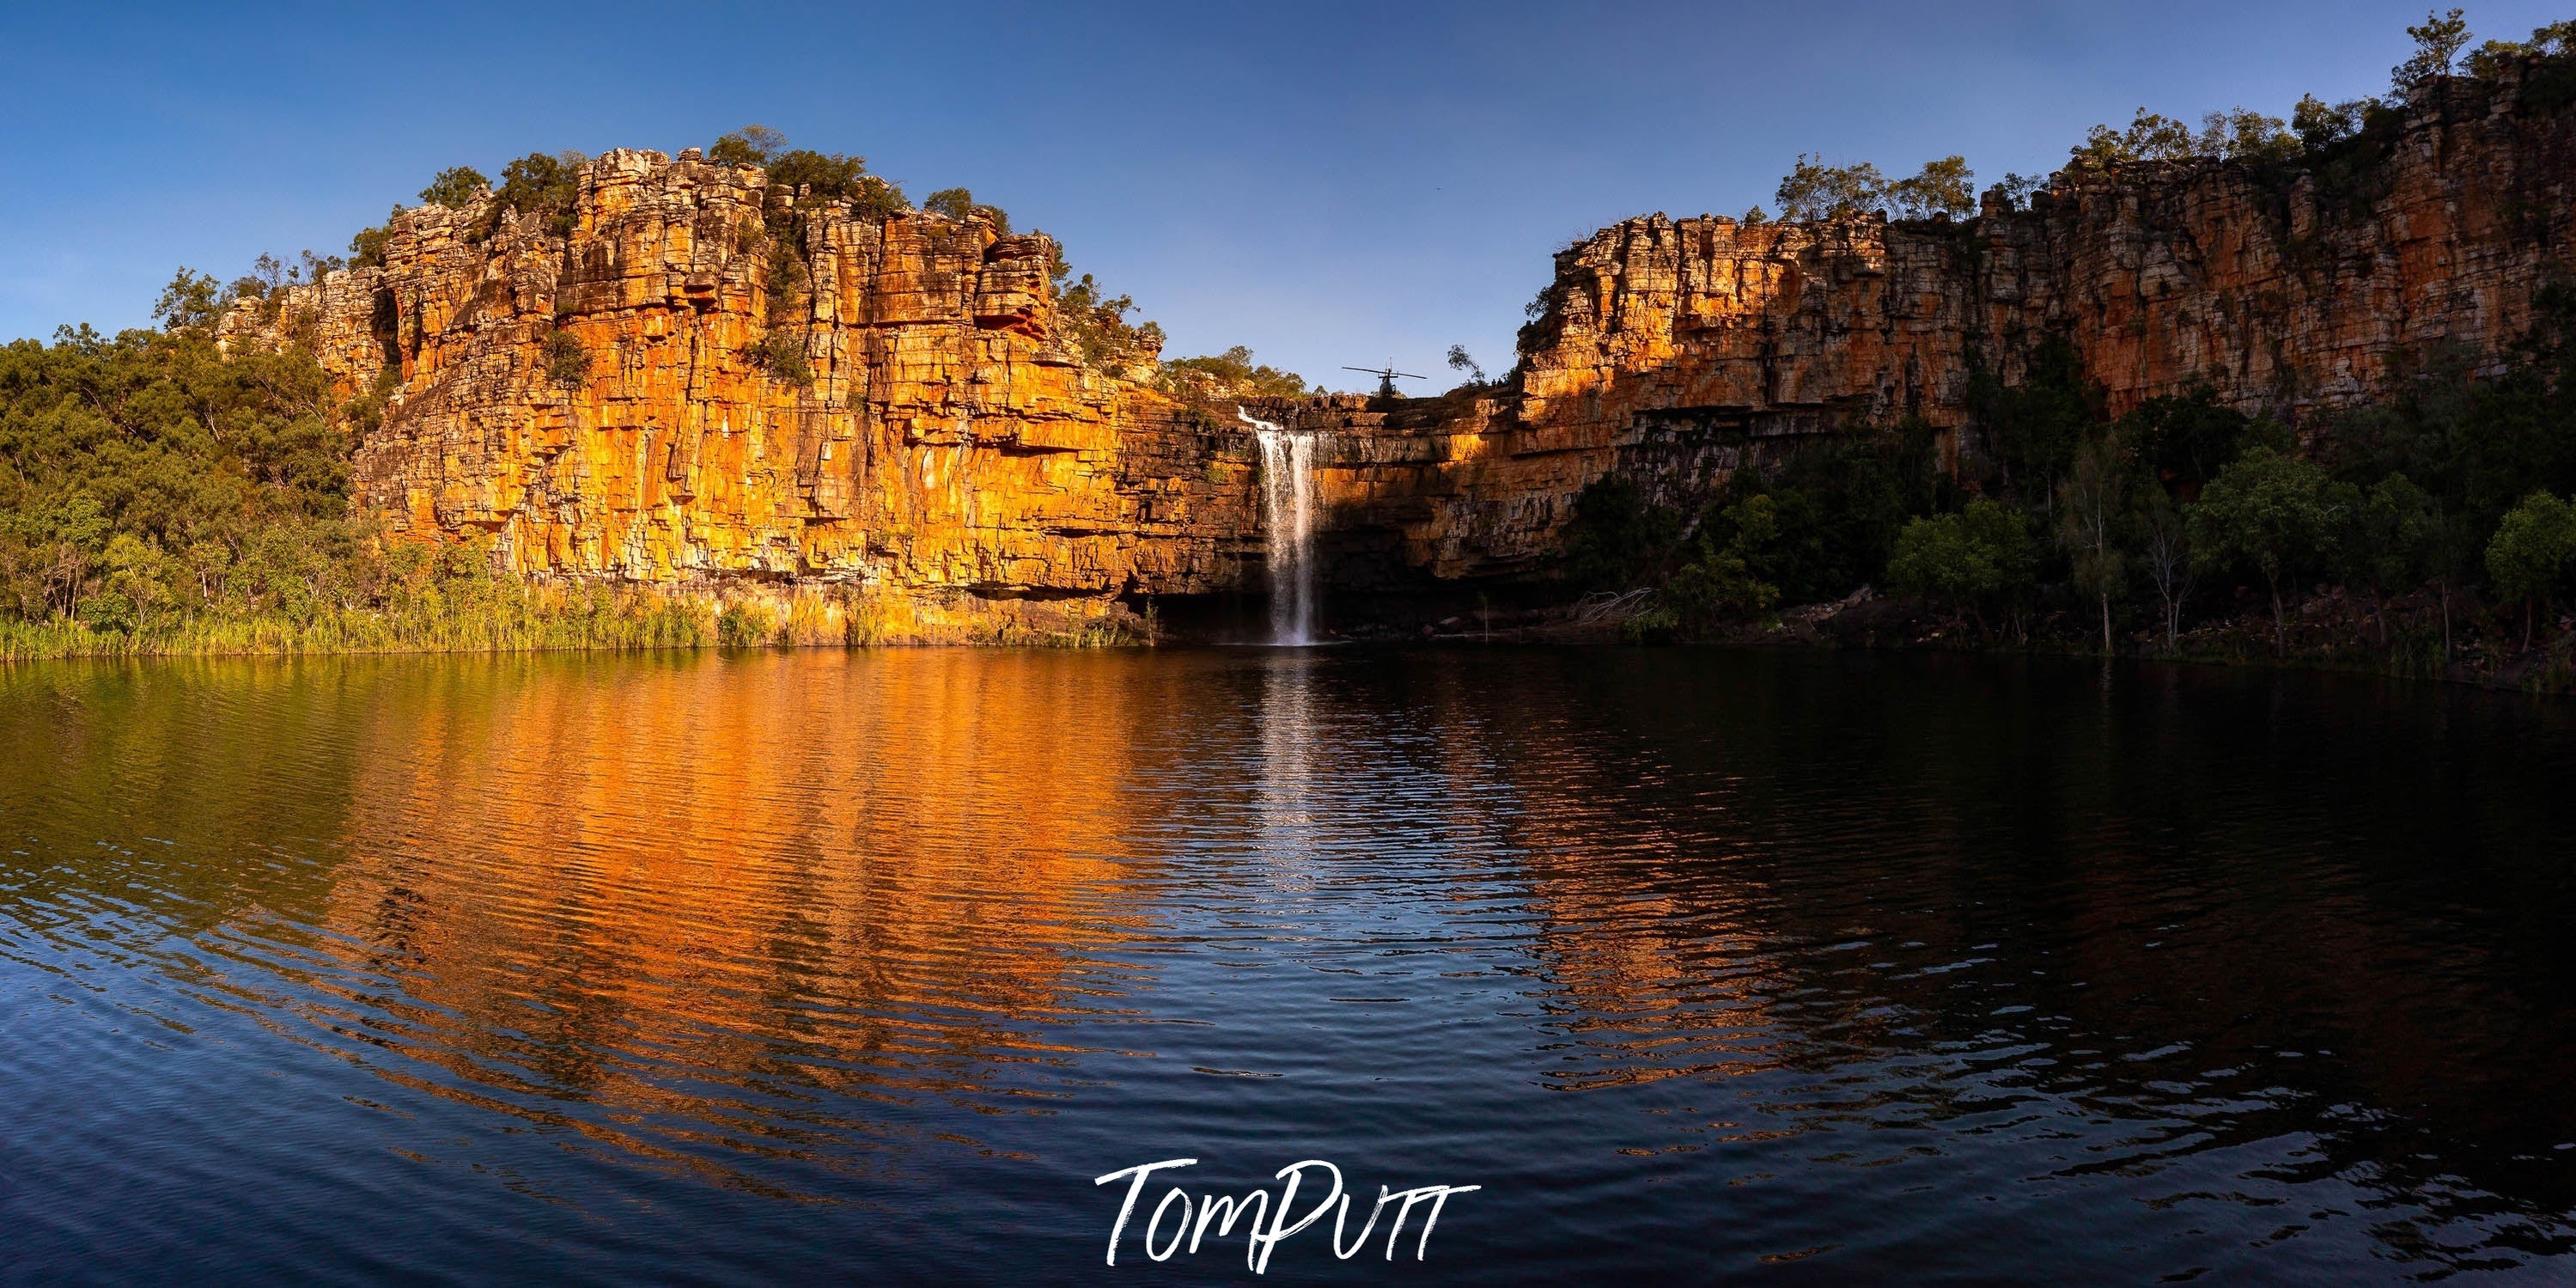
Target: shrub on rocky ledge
{"points": [[567, 360], [782, 352], [1228, 375]]}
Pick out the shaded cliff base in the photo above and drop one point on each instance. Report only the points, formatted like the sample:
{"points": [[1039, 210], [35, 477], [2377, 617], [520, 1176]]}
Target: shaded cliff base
{"points": [[2330, 629]]}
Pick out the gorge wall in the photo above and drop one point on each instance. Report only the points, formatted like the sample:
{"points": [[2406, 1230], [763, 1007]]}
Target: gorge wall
{"points": [[955, 457], [951, 456]]}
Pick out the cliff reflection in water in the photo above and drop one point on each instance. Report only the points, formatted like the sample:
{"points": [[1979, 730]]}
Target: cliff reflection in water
{"points": [[701, 893], [760, 964]]}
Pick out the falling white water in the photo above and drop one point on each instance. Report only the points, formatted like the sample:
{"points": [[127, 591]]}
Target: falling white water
{"points": [[1288, 512]]}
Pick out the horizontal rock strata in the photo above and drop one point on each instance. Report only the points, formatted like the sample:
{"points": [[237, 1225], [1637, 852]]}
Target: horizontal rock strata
{"points": [[613, 403]]}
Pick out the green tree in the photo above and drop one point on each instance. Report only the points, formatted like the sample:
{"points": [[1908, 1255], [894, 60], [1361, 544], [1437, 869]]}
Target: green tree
{"points": [[139, 576], [752, 145], [2091, 503], [367, 245], [2185, 438], [1813, 190], [1228, 375], [542, 186], [1617, 539], [567, 361], [1975, 558], [2453, 551], [1460, 360], [2164, 554], [2243, 134], [2276, 512], [839, 176], [2556, 40], [1094, 323], [782, 353], [1836, 511], [2036, 425], [2531, 553], [188, 303], [2150, 137], [2321, 125], [2387, 544], [1717, 582], [1941, 187], [960, 204], [2438, 43], [455, 186]]}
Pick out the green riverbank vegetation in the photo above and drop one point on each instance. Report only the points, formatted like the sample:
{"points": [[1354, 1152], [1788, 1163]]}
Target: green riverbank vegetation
{"points": [[158, 496], [2432, 532]]}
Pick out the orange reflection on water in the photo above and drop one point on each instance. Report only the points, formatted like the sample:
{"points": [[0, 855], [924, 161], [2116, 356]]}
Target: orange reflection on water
{"points": [[682, 888]]}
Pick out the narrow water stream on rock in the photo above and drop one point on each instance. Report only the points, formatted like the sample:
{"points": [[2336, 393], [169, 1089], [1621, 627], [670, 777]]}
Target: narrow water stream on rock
{"points": [[1288, 517]]}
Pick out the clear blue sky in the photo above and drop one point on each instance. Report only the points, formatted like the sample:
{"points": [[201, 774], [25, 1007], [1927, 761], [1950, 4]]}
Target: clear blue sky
{"points": [[1327, 183]]}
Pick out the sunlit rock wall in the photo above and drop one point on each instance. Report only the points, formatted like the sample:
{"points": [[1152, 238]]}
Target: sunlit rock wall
{"points": [[1680, 350], [951, 447], [953, 453]]}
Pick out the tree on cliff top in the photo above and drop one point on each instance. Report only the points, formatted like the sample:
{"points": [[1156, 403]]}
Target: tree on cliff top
{"points": [[2556, 40], [1231, 374], [2321, 125], [2438, 43], [2238, 134], [823, 176], [960, 205], [2243, 134], [1941, 188], [543, 187], [454, 186], [1813, 190], [1094, 322], [2151, 136], [752, 145]]}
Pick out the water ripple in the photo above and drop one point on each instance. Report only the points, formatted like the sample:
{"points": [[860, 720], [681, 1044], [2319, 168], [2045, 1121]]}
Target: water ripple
{"points": [[745, 967]]}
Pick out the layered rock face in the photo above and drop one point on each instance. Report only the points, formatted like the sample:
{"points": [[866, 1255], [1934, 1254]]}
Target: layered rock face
{"points": [[613, 404], [955, 455], [1680, 350]]}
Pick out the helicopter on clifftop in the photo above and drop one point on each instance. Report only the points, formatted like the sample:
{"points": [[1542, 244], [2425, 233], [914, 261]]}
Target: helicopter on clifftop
{"points": [[1386, 378]]}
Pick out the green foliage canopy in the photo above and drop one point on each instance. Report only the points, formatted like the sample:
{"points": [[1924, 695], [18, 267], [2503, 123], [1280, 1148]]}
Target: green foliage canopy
{"points": [[542, 186], [1980, 556], [2438, 42], [1231, 374], [2534, 548], [1813, 190], [455, 186]]}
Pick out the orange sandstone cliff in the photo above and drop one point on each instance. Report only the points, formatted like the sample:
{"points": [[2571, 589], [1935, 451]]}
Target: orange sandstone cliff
{"points": [[951, 455], [955, 462]]}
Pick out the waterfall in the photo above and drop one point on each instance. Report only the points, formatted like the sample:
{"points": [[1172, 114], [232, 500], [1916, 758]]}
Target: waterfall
{"points": [[1288, 513]]}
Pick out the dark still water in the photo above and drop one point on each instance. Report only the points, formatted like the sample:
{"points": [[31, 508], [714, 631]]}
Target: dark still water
{"points": [[1705, 966]]}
